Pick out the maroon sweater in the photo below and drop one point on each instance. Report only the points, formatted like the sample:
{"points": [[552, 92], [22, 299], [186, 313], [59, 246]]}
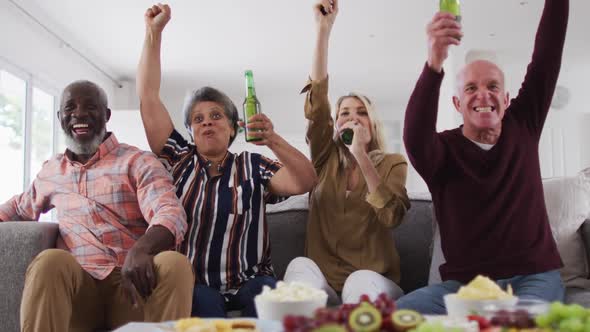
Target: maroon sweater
{"points": [[489, 204]]}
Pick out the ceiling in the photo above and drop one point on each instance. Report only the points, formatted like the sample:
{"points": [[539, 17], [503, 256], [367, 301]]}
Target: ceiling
{"points": [[378, 46]]}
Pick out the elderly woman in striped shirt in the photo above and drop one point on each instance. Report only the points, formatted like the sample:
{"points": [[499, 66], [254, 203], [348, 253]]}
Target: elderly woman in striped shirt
{"points": [[224, 194]]}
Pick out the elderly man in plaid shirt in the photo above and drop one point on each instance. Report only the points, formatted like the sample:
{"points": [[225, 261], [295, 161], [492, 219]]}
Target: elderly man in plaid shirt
{"points": [[118, 215]]}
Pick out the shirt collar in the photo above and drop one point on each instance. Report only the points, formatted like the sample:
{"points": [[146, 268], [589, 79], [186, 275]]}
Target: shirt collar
{"points": [[205, 163], [108, 145]]}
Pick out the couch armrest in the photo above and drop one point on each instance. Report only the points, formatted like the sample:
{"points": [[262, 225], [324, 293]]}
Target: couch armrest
{"points": [[20, 242], [585, 230]]}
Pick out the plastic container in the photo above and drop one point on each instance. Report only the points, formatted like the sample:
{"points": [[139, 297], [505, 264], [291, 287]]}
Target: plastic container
{"points": [[268, 309], [458, 307]]}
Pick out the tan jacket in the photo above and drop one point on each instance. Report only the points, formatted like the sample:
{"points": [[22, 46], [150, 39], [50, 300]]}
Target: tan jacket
{"points": [[350, 233]]}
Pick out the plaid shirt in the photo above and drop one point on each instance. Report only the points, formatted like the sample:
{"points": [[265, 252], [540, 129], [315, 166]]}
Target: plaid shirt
{"points": [[103, 206]]}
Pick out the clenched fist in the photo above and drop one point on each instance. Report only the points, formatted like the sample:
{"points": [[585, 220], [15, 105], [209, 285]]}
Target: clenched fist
{"points": [[325, 12], [157, 17]]}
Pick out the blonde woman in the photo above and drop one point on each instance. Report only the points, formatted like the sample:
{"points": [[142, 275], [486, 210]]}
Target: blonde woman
{"points": [[360, 195]]}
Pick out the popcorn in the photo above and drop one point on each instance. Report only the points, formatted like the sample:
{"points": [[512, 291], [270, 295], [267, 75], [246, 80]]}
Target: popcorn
{"points": [[289, 292]]}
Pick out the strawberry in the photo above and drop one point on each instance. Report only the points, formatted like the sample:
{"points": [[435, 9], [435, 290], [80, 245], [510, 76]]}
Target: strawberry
{"points": [[481, 321]]}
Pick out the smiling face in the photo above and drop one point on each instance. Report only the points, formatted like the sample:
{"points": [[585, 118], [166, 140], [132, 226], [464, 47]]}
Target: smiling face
{"points": [[211, 128], [83, 116], [482, 99]]}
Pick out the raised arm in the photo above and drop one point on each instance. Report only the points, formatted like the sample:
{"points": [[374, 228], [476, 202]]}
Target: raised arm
{"points": [[325, 12], [534, 97], [320, 128], [156, 120], [423, 145]]}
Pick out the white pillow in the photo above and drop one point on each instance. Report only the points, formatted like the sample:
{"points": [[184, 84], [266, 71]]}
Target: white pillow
{"points": [[568, 205], [297, 202], [438, 258]]}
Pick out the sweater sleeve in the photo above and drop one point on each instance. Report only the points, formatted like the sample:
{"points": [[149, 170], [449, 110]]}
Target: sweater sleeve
{"points": [[423, 144], [532, 103]]}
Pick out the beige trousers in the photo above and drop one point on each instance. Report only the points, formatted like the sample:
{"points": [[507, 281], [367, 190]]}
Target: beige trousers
{"points": [[61, 296]]}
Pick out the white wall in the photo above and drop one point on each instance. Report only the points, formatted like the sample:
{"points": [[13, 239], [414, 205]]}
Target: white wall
{"points": [[28, 47]]}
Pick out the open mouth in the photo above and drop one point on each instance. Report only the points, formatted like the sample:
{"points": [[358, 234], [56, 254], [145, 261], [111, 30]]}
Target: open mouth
{"points": [[208, 133], [484, 109], [81, 129]]}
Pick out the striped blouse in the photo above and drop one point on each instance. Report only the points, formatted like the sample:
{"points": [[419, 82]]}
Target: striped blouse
{"points": [[227, 239]]}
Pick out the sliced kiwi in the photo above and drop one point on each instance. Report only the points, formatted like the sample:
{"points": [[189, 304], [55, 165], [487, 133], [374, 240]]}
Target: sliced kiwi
{"points": [[365, 318], [404, 319], [330, 328]]}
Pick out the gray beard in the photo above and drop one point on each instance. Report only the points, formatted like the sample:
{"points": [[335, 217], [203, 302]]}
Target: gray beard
{"points": [[88, 148]]}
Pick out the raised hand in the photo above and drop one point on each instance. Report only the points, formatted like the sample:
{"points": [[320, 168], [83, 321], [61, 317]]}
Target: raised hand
{"points": [[443, 31], [262, 128], [157, 17], [325, 12]]}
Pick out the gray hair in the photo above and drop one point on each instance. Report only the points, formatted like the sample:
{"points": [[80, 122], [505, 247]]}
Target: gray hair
{"points": [[210, 94], [102, 96]]}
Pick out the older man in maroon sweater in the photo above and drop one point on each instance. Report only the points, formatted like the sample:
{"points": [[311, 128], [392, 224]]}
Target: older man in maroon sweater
{"points": [[484, 176]]}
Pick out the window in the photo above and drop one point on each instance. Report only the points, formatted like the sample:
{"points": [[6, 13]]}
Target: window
{"points": [[28, 134], [13, 91], [42, 129], [393, 135]]}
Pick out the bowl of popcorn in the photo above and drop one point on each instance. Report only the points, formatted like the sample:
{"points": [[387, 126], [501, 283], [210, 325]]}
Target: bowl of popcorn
{"points": [[293, 298], [478, 297]]}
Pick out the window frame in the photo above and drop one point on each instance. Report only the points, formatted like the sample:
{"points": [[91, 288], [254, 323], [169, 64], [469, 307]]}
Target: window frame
{"points": [[32, 82]]}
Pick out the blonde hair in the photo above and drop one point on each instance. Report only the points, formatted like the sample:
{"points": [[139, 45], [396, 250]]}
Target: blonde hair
{"points": [[377, 145]]}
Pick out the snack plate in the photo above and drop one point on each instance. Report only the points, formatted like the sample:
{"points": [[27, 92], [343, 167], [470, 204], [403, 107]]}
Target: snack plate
{"points": [[262, 325]]}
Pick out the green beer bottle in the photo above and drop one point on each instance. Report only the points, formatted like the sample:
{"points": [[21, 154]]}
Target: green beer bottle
{"points": [[251, 106], [346, 135], [451, 6]]}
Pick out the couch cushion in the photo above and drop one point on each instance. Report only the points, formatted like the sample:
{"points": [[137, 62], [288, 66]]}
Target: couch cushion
{"points": [[20, 242], [568, 205], [577, 295], [585, 232], [437, 258], [287, 237], [413, 240]]}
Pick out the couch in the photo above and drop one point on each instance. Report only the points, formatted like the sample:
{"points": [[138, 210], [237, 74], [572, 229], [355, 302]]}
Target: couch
{"points": [[20, 242]]}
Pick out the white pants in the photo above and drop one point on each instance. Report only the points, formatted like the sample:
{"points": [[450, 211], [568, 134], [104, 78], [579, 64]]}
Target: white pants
{"points": [[360, 282]]}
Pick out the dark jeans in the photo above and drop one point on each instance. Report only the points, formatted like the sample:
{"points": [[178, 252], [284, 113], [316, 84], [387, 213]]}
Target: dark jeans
{"points": [[209, 302]]}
